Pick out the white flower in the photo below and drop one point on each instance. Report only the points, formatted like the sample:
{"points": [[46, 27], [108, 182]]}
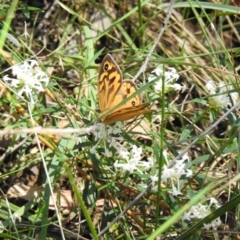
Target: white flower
{"points": [[214, 224], [187, 216], [211, 87], [175, 191], [29, 79], [93, 149], [117, 128], [174, 173], [133, 162], [215, 202], [200, 211], [136, 151], [222, 93], [106, 134], [109, 137], [189, 172], [167, 173], [154, 179], [123, 152], [169, 78]]}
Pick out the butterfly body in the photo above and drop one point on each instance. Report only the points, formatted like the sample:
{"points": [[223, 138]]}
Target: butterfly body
{"points": [[112, 90]]}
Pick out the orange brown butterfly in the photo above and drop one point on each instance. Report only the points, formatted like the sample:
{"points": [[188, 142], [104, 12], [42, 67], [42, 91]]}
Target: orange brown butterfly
{"points": [[112, 90]]}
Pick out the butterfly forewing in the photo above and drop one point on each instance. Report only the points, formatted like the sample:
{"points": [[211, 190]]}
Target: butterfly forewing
{"points": [[109, 82]]}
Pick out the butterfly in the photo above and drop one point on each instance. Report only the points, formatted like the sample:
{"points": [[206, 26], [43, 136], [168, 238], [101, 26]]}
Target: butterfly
{"points": [[112, 90]]}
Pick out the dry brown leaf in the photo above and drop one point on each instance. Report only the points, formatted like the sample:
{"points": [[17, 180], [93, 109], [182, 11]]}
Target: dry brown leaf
{"points": [[64, 198]]}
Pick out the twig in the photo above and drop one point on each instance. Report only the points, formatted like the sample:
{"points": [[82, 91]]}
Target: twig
{"points": [[125, 210], [237, 105]]}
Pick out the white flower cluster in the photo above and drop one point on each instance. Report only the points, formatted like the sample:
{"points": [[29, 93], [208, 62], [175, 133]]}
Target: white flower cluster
{"points": [[106, 134], [110, 137], [134, 161], [200, 211], [29, 79], [173, 174], [131, 160], [222, 93], [169, 79]]}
